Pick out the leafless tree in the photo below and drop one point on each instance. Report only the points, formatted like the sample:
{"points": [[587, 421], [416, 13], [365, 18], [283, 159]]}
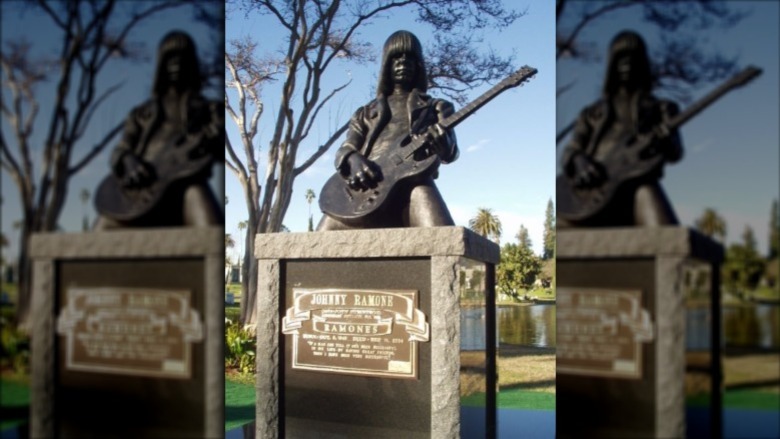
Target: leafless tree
{"points": [[93, 34], [316, 35], [681, 63]]}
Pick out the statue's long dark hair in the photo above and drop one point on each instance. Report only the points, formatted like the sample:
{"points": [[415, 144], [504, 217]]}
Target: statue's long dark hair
{"points": [[397, 43], [628, 42], [178, 42]]}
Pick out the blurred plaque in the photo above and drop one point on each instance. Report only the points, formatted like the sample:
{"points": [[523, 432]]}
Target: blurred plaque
{"points": [[130, 331], [356, 332], [600, 332]]}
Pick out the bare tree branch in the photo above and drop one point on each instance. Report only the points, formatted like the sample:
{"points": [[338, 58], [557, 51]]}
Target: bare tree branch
{"points": [[322, 149], [100, 146]]}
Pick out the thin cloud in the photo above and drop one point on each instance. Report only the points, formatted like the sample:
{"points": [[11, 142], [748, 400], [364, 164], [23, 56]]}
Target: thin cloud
{"points": [[701, 146], [477, 146]]}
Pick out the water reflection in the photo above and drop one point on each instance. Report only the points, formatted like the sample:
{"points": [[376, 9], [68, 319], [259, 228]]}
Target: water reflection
{"points": [[744, 325], [752, 325], [532, 325], [472, 328]]}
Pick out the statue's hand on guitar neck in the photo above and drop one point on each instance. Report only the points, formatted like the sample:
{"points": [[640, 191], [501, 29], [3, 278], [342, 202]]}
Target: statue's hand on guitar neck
{"points": [[436, 140], [136, 173], [656, 142]]}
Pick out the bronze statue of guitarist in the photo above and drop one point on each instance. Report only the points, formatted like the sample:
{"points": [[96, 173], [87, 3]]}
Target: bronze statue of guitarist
{"points": [[627, 112], [161, 167], [401, 110]]}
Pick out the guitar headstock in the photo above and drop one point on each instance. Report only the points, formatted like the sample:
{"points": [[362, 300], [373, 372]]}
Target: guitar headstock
{"points": [[745, 76], [517, 78]]}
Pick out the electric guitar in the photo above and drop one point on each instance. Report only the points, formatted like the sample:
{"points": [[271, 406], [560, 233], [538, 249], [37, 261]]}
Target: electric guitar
{"points": [[631, 160], [181, 158], [407, 159]]}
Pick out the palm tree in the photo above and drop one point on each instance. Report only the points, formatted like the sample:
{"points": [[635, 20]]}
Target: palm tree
{"points": [[309, 198], [712, 224], [486, 224], [229, 241]]}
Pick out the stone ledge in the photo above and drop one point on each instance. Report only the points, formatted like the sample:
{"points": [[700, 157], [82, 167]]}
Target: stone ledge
{"points": [[163, 242], [636, 242], [368, 243]]}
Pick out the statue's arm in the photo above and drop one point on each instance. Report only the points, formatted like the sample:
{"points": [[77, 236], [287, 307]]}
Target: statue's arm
{"points": [[128, 144], [356, 137], [448, 145], [578, 143], [671, 143], [214, 131]]}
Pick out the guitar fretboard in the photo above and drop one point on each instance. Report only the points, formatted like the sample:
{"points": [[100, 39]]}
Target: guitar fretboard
{"points": [[514, 80]]}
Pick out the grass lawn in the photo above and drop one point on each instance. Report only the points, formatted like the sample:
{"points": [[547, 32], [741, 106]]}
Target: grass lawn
{"points": [[742, 399], [234, 288], [12, 289], [239, 402], [233, 312], [765, 293], [541, 293], [14, 401]]}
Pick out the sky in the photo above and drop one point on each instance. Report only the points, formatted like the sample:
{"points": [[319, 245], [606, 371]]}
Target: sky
{"points": [[136, 83], [732, 148], [508, 151], [507, 148]]}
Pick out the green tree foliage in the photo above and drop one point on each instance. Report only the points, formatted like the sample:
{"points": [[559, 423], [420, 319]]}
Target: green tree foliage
{"points": [[522, 237], [547, 274], [548, 251], [486, 224], [517, 270], [743, 266], [3, 243], [711, 224], [774, 231]]}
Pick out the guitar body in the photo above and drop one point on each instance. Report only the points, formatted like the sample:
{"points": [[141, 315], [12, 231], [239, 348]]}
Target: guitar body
{"points": [[624, 165], [177, 162], [407, 163]]}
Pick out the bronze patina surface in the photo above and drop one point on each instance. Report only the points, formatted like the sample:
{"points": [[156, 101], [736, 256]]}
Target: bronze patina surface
{"points": [[601, 331], [356, 332], [161, 166], [401, 110], [130, 331]]}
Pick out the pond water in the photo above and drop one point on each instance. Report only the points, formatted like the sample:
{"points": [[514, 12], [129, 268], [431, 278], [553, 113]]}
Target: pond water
{"points": [[748, 325], [532, 325]]}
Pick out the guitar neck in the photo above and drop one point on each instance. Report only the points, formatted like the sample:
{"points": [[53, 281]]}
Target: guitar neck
{"points": [[469, 109], [696, 108]]}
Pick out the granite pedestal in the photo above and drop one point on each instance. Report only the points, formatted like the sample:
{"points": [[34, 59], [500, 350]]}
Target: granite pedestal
{"points": [[363, 334], [624, 299], [127, 334]]}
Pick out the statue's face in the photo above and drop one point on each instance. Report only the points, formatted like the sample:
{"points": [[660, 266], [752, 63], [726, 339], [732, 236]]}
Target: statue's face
{"points": [[173, 66], [404, 68], [626, 68]]}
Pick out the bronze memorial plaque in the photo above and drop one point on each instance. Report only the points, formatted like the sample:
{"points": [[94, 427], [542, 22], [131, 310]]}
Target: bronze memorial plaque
{"points": [[130, 331], [356, 332], [600, 332]]}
